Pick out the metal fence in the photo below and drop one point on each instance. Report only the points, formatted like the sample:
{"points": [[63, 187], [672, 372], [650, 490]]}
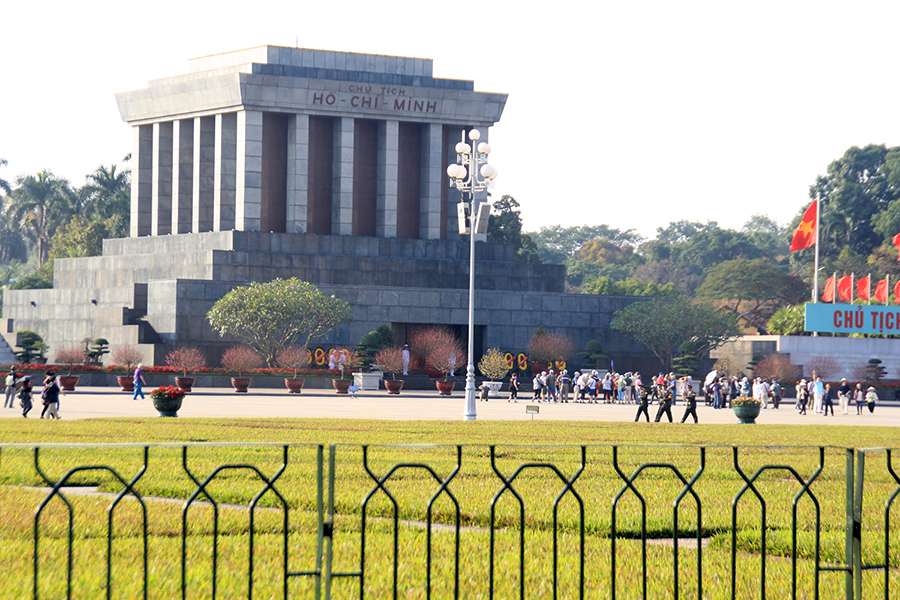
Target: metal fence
{"points": [[332, 492]]}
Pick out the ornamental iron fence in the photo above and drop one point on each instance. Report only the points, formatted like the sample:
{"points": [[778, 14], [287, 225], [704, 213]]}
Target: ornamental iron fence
{"points": [[342, 521]]}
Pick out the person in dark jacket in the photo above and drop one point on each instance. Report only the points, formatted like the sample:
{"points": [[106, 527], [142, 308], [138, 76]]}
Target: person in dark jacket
{"points": [[828, 399], [50, 396], [691, 399], [25, 389], [644, 403], [513, 387], [665, 407]]}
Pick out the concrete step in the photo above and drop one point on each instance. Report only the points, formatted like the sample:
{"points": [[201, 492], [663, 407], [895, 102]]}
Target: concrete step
{"points": [[7, 356]]}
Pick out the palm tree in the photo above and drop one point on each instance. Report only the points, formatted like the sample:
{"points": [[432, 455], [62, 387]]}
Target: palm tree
{"points": [[4, 184], [40, 204], [107, 192]]}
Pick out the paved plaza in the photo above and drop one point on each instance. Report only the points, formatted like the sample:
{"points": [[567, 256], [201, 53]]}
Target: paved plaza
{"points": [[100, 402]]}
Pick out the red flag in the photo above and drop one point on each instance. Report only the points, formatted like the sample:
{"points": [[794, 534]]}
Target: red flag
{"points": [[845, 288], [828, 294], [881, 291], [896, 242], [805, 234], [897, 292], [862, 287]]}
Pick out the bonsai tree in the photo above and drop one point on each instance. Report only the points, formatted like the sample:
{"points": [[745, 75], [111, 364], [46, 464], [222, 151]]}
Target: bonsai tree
{"points": [[269, 316], [186, 359], [31, 347], [391, 360], [372, 342], [293, 357], [545, 348], [874, 371], [69, 356], [240, 359], [126, 356], [493, 365], [96, 350]]}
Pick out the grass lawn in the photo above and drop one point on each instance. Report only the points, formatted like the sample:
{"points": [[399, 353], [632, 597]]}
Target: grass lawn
{"points": [[166, 484]]}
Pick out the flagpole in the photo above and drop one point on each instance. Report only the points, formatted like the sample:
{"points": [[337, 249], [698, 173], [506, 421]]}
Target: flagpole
{"points": [[869, 288], [816, 259], [887, 296], [834, 288], [852, 287]]}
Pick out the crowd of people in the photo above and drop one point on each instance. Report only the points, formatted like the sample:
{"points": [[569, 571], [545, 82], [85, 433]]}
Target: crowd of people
{"points": [[19, 386]]}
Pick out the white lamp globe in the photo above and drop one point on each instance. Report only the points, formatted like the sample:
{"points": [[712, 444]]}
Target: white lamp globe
{"points": [[462, 148], [451, 171], [488, 171], [484, 148], [459, 172], [474, 135]]}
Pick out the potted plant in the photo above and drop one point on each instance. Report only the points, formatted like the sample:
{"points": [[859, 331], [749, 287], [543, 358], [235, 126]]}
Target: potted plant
{"points": [[185, 359], [167, 400], [446, 359], [296, 358], [746, 409], [391, 360], [344, 360], [128, 357], [493, 365], [239, 360], [69, 356]]}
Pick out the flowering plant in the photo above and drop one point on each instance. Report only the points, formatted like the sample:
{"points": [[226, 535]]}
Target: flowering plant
{"points": [[745, 401], [167, 392]]}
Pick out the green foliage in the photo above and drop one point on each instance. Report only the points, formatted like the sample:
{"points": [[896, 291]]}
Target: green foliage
{"points": [[669, 327], [505, 227], [626, 287], [554, 244], [493, 364], [594, 355], [41, 203], [42, 278], [30, 346], [787, 320], [269, 316], [97, 349], [874, 371], [83, 237], [372, 342]]}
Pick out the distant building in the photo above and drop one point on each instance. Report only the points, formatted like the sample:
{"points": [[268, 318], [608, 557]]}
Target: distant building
{"points": [[330, 166]]}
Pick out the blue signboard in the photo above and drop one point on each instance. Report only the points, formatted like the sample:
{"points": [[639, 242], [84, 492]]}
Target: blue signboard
{"points": [[853, 318]]}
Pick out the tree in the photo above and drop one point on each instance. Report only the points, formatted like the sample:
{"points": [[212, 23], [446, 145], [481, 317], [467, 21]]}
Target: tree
{"points": [[779, 367], [752, 290], [670, 326], [81, 237], [372, 342], [546, 348], [186, 359], [391, 360], [294, 357], [4, 184], [606, 286], [31, 347], [275, 314], [42, 278], [107, 192], [593, 354], [41, 203], [505, 227], [556, 243], [874, 371], [787, 320]]}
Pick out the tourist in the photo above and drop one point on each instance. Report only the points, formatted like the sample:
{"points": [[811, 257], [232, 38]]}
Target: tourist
{"points": [[563, 384], [405, 359], [802, 396], [733, 391], [50, 396], [513, 387], [665, 407], [25, 390], [818, 392], [844, 395], [746, 388], [643, 406], [859, 398], [138, 380], [485, 391], [536, 387], [775, 393], [871, 399], [10, 389], [607, 387], [551, 386], [828, 399]]}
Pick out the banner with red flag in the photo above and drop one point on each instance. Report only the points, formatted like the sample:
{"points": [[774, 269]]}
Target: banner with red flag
{"points": [[828, 294], [863, 285], [845, 288], [896, 242], [897, 292], [805, 234], [881, 291]]}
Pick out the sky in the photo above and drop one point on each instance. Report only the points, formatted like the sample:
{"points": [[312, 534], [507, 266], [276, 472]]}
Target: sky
{"points": [[632, 114]]}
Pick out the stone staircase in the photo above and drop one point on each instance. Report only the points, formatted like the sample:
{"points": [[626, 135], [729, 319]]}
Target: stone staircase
{"points": [[7, 356]]}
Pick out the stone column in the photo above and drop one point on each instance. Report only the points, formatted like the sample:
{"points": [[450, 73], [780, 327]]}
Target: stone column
{"points": [[161, 217], [388, 160], [141, 177], [297, 173], [248, 168], [225, 175], [430, 213], [342, 180], [182, 174], [204, 174]]}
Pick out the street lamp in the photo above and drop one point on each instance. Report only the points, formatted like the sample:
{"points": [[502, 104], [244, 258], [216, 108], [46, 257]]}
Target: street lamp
{"points": [[471, 174]]}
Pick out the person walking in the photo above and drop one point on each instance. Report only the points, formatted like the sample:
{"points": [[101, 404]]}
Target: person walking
{"points": [[691, 399], [536, 387], [25, 390], [50, 396], [665, 408], [607, 387], [871, 399], [139, 382], [10, 388], [565, 382], [844, 395], [551, 386], [818, 394], [802, 396], [775, 393], [513, 387], [828, 400], [643, 406], [859, 398]]}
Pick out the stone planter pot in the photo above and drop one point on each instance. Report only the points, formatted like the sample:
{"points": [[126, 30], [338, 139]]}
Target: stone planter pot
{"points": [[126, 382], [185, 383], [746, 413], [340, 385], [494, 388], [240, 384], [294, 386], [444, 387], [393, 386], [167, 407], [68, 382]]}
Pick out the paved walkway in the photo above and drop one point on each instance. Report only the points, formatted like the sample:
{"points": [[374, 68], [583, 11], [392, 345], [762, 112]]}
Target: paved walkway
{"points": [[99, 402]]}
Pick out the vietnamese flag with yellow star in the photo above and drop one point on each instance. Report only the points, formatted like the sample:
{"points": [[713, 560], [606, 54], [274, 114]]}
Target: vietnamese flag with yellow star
{"points": [[805, 234]]}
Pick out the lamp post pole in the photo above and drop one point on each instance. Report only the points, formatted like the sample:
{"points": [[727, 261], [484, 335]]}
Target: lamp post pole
{"points": [[471, 174]]}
